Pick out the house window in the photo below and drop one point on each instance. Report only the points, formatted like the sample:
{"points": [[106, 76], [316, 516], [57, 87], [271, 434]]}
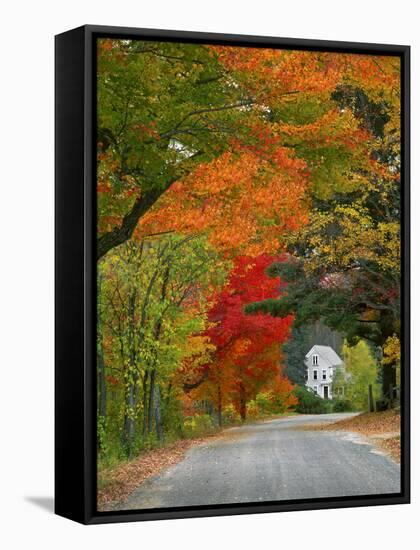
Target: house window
{"points": [[315, 389], [324, 375], [315, 359], [315, 375]]}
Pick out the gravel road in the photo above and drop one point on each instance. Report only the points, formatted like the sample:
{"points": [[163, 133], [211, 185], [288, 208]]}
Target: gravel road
{"points": [[274, 460]]}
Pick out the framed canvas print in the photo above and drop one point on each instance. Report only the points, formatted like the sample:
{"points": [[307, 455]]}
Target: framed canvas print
{"points": [[232, 274]]}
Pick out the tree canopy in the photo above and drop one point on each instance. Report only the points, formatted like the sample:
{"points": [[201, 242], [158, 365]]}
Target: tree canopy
{"points": [[244, 194]]}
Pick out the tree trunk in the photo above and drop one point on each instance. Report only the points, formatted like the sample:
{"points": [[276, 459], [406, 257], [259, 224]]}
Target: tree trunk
{"points": [[242, 402], [145, 379], [158, 416], [371, 402], [389, 381], [123, 232], [100, 357], [129, 421], [151, 399], [131, 394], [168, 394], [100, 366], [101, 384], [219, 405]]}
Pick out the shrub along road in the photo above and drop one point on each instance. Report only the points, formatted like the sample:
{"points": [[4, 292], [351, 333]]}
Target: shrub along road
{"points": [[274, 460]]}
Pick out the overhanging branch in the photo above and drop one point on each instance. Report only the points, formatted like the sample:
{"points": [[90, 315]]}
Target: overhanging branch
{"points": [[123, 232]]}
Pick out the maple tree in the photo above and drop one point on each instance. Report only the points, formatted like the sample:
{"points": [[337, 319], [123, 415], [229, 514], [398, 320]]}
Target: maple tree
{"points": [[269, 108], [243, 194], [247, 347], [162, 109], [243, 203], [344, 265]]}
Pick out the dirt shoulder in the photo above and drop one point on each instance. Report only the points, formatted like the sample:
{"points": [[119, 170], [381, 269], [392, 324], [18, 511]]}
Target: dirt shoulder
{"points": [[382, 428], [115, 484]]}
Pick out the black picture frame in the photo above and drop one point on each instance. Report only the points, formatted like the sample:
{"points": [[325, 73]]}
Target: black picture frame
{"points": [[75, 288]]}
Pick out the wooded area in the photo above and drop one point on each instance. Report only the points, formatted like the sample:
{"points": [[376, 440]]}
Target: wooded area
{"points": [[246, 196]]}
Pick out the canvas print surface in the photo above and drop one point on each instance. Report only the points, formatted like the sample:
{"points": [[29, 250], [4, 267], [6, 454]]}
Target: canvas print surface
{"points": [[248, 275]]}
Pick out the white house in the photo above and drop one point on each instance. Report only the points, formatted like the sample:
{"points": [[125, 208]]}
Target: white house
{"points": [[321, 363]]}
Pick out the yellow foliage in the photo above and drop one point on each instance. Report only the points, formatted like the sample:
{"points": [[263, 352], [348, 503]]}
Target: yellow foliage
{"points": [[392, 351]]}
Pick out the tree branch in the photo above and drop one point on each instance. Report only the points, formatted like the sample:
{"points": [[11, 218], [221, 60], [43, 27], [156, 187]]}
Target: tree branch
{"points": [[188, 387], [123, 232]]}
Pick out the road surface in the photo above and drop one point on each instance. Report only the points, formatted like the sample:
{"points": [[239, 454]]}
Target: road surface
{"points": [[274, 460]]}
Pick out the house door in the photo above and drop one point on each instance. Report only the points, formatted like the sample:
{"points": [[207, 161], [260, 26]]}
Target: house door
{"points": [[325, 392]]}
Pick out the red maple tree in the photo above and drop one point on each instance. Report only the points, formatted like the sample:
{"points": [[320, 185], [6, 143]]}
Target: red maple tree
{"points": [[247, 352]]}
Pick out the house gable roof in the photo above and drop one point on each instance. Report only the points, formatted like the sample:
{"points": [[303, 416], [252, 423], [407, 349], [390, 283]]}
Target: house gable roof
{"points": [[327, 353]]}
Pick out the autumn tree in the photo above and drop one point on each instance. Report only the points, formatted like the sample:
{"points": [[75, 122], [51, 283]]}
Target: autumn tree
{"points": [[154, 295], [163, 108], [247, 347], [166, 108], [239, 190], [344, 265], [242, 203], [360, 371]]}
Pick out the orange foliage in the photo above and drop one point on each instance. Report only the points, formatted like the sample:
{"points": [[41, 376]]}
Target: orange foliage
{"points": [[272, 74], [280, 392], [242, 201], [249, 196]]}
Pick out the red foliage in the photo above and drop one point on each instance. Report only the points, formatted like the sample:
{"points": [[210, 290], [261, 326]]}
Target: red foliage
{"points": [[247, 283], [112, 380], [248, 346]]}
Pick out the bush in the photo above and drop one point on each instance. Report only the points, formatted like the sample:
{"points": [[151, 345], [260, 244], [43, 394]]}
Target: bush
{"points": [[279, 399], [342, 405], [230, 415], [264, 403], [198, 425], [382, 404], [253, 410], [173, 418], [309, 403]]}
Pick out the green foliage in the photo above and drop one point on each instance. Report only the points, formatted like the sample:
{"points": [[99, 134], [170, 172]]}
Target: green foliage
{"points": [[360, 371], [309, 403], [172, 416], [372, 114], [230, 415], [273, 402], [344, 266], [162, 108], [173, 114], [305, 109], [152, 293], [342, 405], [294, 351], [264, 403], [101, 435], [199, 425]]}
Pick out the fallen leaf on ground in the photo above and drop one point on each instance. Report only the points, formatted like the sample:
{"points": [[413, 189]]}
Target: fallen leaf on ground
{"points": [[383, 428]]}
